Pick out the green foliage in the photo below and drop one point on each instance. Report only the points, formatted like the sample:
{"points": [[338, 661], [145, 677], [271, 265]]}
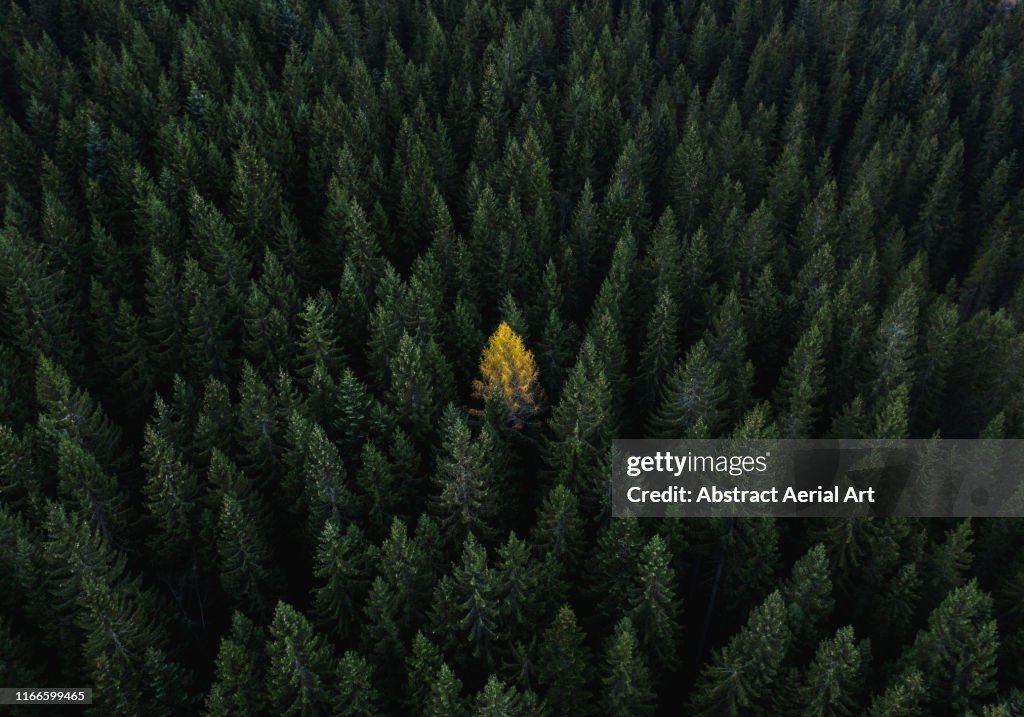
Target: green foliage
{"points": [[902, 699], [476, 597], [340, 573], [238, 666], [802, 385], [417, 388], [356, 695], [741, 675], [581, 423], [465, 477], [245, 567], [171, 490], [250, 256], [301, 665], [692, 398], [318, 347], [808, 596], [67, 410], [830, 687], [82, 482], [562, 663], [956, 652], [626, 683], [654, 604]]}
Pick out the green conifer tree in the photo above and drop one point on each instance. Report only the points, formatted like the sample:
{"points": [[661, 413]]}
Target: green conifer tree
{"points": [[562, 665], [692, 397], [301, 665], [246, 568], [653, 604], [355, 694], [466, 502], [625, 681], [802, 386], [831, 683], [956, 652], [741, 674]]}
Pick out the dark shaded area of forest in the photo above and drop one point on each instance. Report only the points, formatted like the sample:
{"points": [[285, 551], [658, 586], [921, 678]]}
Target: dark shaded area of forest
{"points": [[252, 252]]}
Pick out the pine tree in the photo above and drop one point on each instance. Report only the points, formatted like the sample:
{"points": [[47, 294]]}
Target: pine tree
{"points": [[615, 294], [255, 194], [208, 343], [802, 386], [221, 256], [119, 633], [20, 479], [381, 492], [830, 687], [516, 578], [246, 569], [956, 652], [688, 175], [465, 476], [100, 500], [464, 338], [381, 634], [167, 310], [68, 410], [610, 348], [902, 699], [741, 674], [892, 417], [558, 538], [445, 698], [477, 600], [216, 427], [581, 423], [660, 349], [414, 394], [614, 568], [348, 234], [583, 237], [950, 561], [422, 666], [692, 398], [391, 611], [75, 553], [899, 604], [654, 605], [271, 305], [318, 346], [171, 491], [808, 596], [665, 258], [626, 683], [727, 344], [341, 572], [498, 700], [894, 350], [317, 483], [356, 695], [562, 665], [238, 667], [301, 666]]}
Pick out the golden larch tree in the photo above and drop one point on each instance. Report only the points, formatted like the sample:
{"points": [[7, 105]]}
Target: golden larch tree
{"points": [[508, 370]]}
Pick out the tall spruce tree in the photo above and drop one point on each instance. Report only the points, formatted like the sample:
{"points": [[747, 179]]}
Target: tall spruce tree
{"points": [[741, 675]]}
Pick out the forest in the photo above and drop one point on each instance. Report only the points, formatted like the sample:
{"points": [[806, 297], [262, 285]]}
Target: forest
{"points": [[319, 318]]}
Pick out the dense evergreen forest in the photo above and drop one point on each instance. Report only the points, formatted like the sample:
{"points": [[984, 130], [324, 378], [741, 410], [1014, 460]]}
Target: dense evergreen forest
{"points": [[319, 317]]}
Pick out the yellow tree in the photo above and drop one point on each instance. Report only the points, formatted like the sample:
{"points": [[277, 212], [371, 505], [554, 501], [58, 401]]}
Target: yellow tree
{"points": [[509, 372]]}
